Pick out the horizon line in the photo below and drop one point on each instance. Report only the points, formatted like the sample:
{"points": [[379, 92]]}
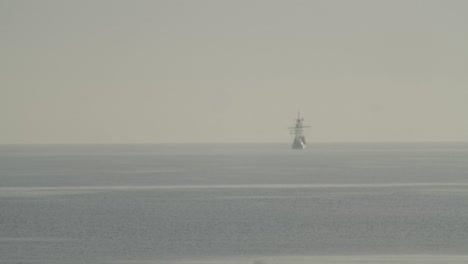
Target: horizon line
{"points": [[238, 143]]}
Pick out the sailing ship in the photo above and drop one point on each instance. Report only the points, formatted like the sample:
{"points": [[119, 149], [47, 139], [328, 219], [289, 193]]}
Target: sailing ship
{"points": [[297, 130]]}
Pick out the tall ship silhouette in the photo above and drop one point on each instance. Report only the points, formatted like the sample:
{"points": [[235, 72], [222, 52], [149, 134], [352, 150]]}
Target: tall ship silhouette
{"points": [[298, 132]]}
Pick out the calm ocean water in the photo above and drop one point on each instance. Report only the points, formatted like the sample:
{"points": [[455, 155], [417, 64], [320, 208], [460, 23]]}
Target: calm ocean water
{"points": [[256, 204]]}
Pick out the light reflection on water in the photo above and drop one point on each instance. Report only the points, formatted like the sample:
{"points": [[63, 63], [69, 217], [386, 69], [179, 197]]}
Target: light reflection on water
{"points": [[350, 259], [224, 204]]}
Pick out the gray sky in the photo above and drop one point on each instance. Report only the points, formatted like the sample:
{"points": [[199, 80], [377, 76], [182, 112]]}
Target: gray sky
{"points": [[232, 71]]}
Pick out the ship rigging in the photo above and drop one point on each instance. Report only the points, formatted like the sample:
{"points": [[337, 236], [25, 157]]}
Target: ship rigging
{"points": [[298, 132]]}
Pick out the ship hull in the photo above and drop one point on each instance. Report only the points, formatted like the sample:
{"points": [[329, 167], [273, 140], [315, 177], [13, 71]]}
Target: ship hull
{"points": [[298, 144]]}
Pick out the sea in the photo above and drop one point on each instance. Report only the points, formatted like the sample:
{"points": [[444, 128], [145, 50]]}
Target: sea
{"points": [[234, 203]]}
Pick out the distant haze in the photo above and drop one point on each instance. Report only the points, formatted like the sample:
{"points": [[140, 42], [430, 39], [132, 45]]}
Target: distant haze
{"points": [[232, 71]]}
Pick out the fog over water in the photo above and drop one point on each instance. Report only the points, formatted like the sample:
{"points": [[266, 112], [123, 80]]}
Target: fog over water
{"points": [[125, 129], [260, 203], [117, 71]]}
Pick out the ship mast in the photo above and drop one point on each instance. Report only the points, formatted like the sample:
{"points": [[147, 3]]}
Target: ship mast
{"points": [[298, 129], [299, 139]]}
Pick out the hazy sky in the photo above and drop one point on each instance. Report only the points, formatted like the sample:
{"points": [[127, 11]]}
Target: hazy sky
{"points": [[232, 71]]}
